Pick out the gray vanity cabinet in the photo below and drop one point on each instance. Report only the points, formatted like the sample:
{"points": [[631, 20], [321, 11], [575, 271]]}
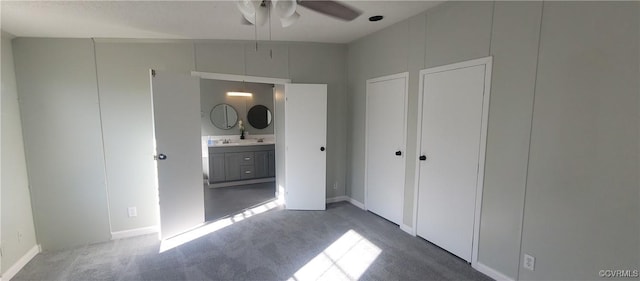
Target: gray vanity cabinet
{"points": [[216, 167], [232, 166], [265, 163], [262, 164], [238, 163], [272, 163]]}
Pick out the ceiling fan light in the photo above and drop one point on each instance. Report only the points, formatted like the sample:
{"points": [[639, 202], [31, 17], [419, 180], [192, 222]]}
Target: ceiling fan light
{"points": [[284, 8], [247, 9], [261, 15], [288, 21]]}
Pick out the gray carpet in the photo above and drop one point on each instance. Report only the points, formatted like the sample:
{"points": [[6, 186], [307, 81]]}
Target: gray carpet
{"points": [[224, 201], [273, 245]]}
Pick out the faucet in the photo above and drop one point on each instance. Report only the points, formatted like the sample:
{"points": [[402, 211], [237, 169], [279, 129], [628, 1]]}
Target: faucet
{"points": [[260, 140], [225, 141]]}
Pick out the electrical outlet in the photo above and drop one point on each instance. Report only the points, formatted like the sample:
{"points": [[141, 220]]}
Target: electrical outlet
{"points": [[19, 236], [133, 211], [335, 185], [529, 262]]}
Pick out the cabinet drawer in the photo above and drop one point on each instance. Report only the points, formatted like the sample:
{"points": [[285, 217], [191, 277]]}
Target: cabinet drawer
{"points": [[247, 158], [247, 172]]}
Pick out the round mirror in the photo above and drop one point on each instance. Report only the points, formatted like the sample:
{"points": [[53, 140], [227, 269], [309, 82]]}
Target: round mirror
{"points": [[259, 116], [223, 116]]}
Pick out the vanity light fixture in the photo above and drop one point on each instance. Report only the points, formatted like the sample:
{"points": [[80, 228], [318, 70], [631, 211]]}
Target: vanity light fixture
{"points": [[239, 94]]}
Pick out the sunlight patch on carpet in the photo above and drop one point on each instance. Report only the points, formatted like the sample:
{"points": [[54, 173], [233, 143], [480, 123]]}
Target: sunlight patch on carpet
{"points": [[345, 259], [201, 231]]}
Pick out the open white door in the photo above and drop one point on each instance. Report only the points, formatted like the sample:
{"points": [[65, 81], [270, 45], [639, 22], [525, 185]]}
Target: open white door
{"points": [[305, 141], [176, 126]]}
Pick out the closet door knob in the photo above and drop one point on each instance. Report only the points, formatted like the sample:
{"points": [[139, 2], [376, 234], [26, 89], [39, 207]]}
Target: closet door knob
{"points": [[322, 148], [398, 153], [423, 158], [162, 156]]}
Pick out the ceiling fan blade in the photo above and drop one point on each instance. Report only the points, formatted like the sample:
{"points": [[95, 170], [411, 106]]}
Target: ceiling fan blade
{"points": [[245, 21], [246, 8], [332, 8], [284, 8], [288, 21]]}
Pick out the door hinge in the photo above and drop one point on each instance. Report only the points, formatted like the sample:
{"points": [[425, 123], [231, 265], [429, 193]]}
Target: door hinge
{"points": [[153, 73]]}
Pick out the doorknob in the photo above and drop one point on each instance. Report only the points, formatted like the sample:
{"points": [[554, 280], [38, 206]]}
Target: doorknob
{"points": [[423, 157], [322, 148], [398, 153], [162, 156]]}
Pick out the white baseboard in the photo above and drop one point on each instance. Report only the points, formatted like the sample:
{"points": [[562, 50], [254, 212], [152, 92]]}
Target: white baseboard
{"points": [[496, 275], [240, 182], [356, 203], [408, 229], [134, 232], [16, 267], [338, 199], [345, 198]]}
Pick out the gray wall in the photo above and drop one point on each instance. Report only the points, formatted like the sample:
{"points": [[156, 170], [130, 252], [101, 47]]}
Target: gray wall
{"points": [[514, 47], [327, 64], [581, 207], [87, 121], [60, 112], [214, 92], [16, 215], [383, 53], [578, 135]]}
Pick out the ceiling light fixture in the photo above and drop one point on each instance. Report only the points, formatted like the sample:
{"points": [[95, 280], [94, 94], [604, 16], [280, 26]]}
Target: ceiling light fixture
{"points": [[239, 94], [376, 18]]}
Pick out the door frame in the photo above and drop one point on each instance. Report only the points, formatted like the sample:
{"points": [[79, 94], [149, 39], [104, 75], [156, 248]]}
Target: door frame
{"points": [[253, 79], [405, 128], [240, 78], [487, 62]]}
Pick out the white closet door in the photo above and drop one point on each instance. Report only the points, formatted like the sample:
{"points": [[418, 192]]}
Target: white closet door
{"points": [[176, 120], [452, 114], [385, 145], [305, 141]]}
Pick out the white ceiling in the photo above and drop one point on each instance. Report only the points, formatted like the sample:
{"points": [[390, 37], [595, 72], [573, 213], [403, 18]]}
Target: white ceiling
{"points": [[190, 20]]}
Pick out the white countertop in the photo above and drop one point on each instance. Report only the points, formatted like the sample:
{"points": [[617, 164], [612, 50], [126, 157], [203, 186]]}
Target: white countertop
{"points": [[245, 142]]}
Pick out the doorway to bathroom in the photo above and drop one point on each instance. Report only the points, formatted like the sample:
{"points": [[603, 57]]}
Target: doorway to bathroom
{"points": [[295, 158], [238, 145]]}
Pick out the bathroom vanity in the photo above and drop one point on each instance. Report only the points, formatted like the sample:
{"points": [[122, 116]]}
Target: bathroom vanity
{"points": [[241, 163]]}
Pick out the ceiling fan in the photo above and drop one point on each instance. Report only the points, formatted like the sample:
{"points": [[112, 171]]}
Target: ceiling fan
{"points": [[256, 12]]}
